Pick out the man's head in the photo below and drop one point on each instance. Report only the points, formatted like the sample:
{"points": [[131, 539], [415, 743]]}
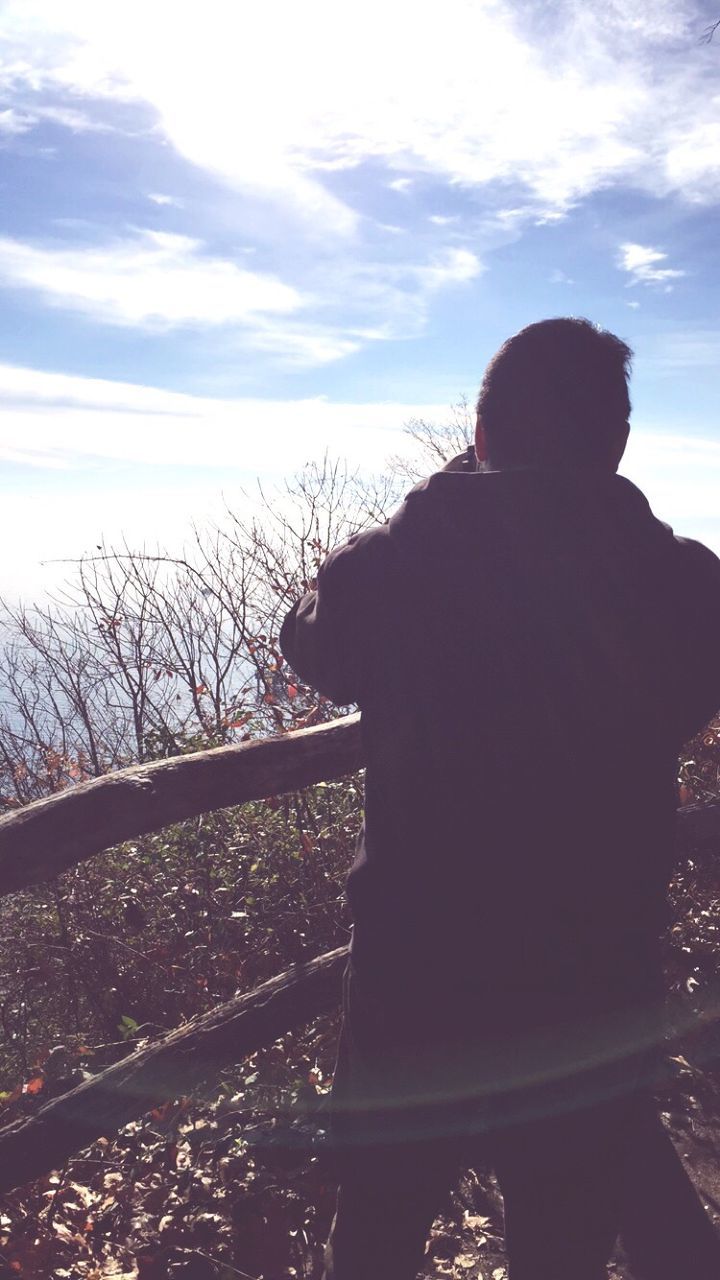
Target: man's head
{"points": [[556, 394]]}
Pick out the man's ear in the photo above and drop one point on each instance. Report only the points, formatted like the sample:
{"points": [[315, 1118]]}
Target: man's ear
{"points": [[480, 441]]}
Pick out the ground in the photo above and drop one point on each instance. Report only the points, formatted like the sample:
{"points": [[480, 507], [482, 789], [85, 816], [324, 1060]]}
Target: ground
{"points": [[211, 1188]]}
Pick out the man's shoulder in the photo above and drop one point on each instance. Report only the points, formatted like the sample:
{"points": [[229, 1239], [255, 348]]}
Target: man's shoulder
{"points": [[696, 552], [698, 577], [361, 555], [687, 554], [691, 556]]}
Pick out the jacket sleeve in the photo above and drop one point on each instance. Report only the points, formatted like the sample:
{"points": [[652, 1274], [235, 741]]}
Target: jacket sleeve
{"points": [[324, 636], [698, 622]]}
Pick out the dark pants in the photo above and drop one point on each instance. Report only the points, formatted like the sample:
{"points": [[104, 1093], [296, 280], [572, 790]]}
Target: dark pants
{"points": [[577, 1164]]}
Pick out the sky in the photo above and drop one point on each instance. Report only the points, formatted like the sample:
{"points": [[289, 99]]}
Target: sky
{"points": [[236, 237]]}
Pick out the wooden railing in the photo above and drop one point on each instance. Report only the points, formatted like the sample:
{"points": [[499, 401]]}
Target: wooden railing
{"points": [[54, 834]]}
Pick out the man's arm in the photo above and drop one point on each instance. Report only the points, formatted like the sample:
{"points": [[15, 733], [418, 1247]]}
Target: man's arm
{"points": [[324, 635]]}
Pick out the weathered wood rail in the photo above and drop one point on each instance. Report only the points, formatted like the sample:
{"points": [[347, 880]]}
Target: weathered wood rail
{"points": [[167, 1068], [49, 836], [57, 833]]}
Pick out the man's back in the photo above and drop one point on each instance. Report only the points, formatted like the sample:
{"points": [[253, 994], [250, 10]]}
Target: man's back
{"points": [[529, 649]]}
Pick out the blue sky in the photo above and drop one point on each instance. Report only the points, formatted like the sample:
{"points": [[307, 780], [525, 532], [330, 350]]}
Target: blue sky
{"points": [[233, 237]]}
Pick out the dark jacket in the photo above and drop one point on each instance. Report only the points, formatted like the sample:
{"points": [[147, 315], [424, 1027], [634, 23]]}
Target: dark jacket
{"points": [[529, 649]]}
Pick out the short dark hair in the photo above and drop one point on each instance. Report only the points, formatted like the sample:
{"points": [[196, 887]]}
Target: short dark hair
{"points": [[555, 392]]}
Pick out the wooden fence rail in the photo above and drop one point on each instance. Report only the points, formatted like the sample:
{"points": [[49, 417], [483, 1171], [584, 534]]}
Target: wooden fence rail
{"points": [[51, 835], [167, 1068]]}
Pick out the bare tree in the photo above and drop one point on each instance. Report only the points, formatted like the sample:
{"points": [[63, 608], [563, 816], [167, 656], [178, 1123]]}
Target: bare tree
{"points": [[434, 443], [145, 654]]}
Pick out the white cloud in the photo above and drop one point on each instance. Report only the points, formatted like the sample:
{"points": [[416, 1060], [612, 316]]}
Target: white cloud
{"points": [[14, 122], [99, 459], [391, 299], [59, 421], [452, 266], [159, 281], [66, 422], [72, 119], [560, 103], [36, 387], [642, 264], [511, 217], [156, 279], [676, 351], [693, 161], [157, 197], [551, 215], [308, 345]]}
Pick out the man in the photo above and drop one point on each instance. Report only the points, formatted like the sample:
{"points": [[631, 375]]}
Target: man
{"points": [[530, 648]]}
